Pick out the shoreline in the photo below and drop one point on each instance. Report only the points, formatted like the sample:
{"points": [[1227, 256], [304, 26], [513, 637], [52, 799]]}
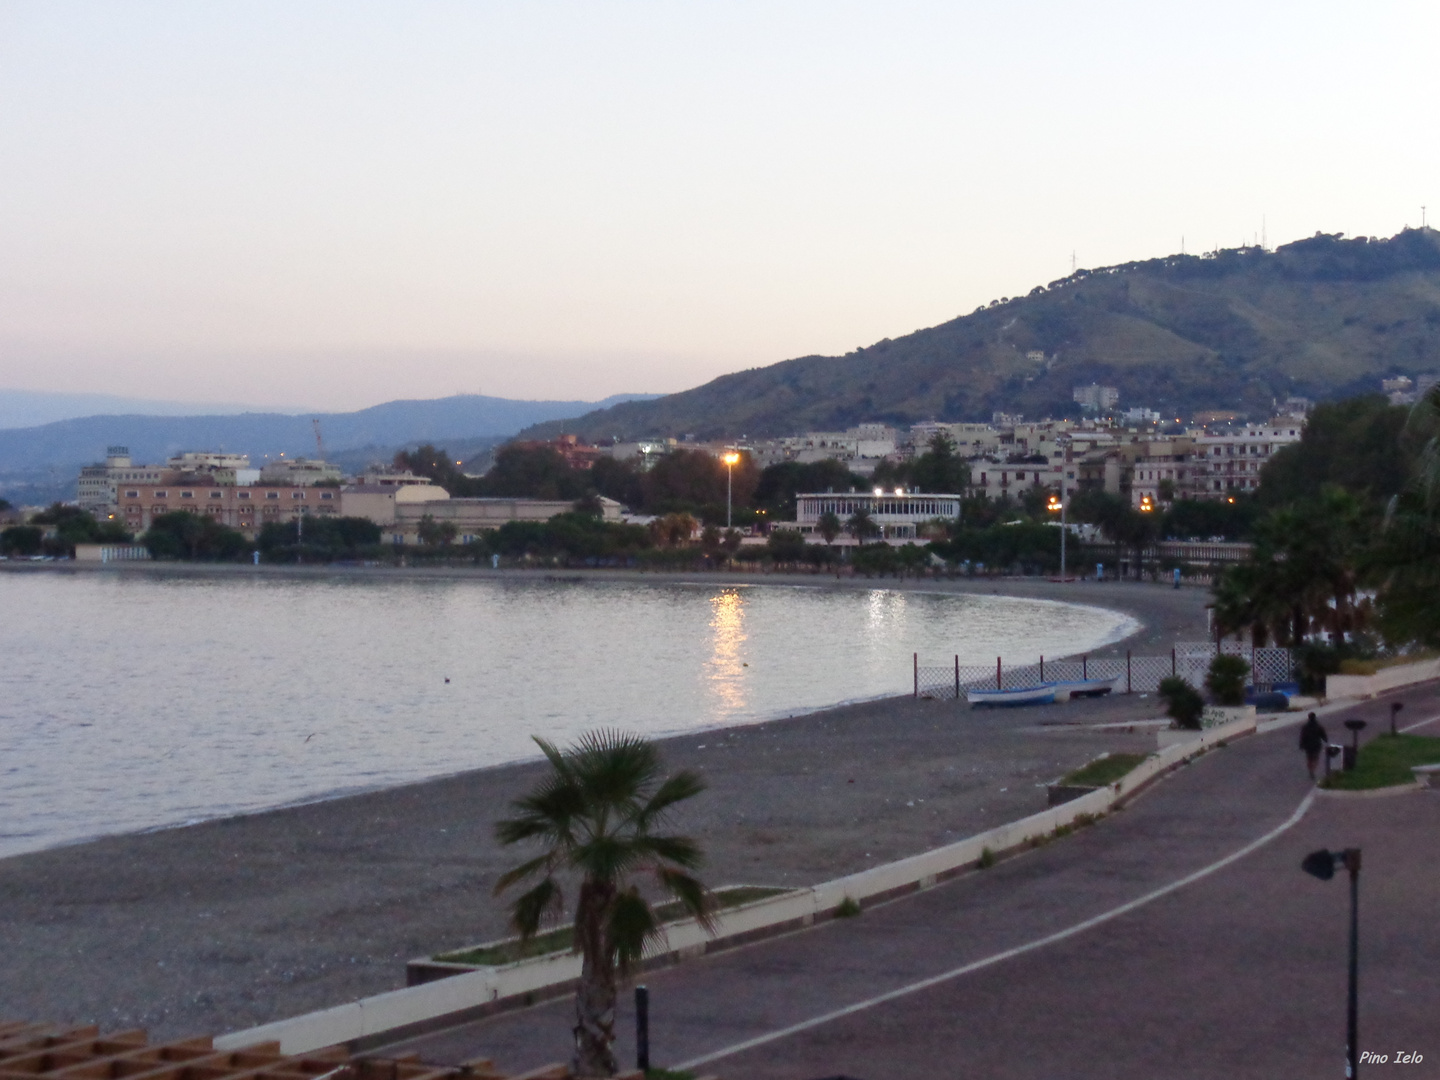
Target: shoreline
{"points": [[237, 921], [1162, 611]]}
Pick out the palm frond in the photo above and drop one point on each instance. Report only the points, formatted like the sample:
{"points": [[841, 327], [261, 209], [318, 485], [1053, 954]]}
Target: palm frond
{"points": [[527, 869], [530, 908], [691, 893], [683, 785], [631, 924], [680, 850]]}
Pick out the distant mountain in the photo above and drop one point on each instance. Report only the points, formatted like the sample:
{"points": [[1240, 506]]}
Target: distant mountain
{"points": [[31, 408], [1321, 318], [39, 462]]}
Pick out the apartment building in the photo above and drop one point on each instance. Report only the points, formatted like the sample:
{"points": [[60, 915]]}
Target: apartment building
{"points": [[98, 483], [246, 508], [1229, 461], [899, 514]]}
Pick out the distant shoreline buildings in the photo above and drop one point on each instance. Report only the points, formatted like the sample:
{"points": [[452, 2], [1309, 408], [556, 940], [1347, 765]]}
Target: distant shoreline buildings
{"points": [[1133, 454]]}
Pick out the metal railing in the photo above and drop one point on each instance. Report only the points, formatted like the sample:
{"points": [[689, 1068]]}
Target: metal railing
{"points": [[1137, 674]]}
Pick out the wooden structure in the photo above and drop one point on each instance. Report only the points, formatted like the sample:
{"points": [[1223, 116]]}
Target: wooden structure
{"points": [[32, 1051]]}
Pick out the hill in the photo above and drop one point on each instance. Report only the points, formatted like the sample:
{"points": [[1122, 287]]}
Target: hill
{"points": [[1234, 329], [31, 408], [40, 463]]}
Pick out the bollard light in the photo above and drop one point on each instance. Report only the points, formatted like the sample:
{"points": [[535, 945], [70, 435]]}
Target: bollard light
{"points": [[1352, 752], [642, 1029], [1322, 864], [1395, 707]]}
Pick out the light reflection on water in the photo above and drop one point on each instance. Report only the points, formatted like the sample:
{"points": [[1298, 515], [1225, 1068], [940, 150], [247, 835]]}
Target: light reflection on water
{"points": [[130, 702]]}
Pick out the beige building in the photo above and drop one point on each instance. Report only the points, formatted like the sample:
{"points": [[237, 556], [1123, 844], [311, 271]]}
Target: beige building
{"points": [[98, 483], [301, 471], [247, 509], [399, 510], [1227, 462]]}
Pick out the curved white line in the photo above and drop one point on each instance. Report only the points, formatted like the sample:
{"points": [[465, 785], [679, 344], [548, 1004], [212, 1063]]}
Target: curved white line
{"points": [[1018, 950]]}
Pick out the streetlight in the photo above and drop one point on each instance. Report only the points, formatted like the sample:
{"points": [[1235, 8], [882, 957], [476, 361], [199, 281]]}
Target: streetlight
{"points": [[1057, 505], [1147, 504], [1322, 865], [730, 460]]}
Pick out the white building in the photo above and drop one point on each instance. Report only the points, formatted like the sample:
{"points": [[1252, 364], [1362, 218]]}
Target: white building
{"points": [[1096, 397], [1231, 461], [98, 487], [899, 513], [302, 472]]}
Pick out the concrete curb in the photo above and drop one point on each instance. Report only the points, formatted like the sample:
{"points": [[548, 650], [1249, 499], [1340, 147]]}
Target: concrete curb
{"points": [[1407, 788], [1391, 678], [410, 1011]]}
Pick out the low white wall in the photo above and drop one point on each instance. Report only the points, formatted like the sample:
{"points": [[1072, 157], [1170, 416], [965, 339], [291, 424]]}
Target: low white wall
{"points": [[1391, 678], [428, 1001]]}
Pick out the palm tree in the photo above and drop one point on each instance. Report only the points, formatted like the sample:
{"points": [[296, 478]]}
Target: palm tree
{"points": [[596, 813], [829, 526], [861, 525]]}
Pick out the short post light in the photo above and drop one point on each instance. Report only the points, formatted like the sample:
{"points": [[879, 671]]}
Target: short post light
{"points": [[1395, 707], [1352, 752], [1322, 864], [731, 459]]}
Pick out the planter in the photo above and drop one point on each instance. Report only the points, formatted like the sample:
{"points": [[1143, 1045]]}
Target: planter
{"points": [[1063, 793], [1217, 715]]}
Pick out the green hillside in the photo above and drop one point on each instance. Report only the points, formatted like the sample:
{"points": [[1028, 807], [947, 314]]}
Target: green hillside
{"points": [[1323, 318]]}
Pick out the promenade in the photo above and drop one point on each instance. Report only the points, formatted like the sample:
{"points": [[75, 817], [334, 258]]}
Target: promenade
{"points": [[1238, 972]]}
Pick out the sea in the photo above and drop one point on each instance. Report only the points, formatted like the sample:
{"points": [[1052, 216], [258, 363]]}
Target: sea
{"points": [[133, 701]]}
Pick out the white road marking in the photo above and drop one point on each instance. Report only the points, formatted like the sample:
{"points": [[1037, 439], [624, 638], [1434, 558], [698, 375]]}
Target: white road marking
{"points": [[1019, 950]]}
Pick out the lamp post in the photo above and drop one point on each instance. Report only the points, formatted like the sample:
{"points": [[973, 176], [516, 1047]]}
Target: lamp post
{"points": [[1352, 752], [730, 460], [1322, 864], [1395, 707]]}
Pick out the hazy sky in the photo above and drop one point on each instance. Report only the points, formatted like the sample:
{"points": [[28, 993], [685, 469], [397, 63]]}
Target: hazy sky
{"points": [[338, 204]]}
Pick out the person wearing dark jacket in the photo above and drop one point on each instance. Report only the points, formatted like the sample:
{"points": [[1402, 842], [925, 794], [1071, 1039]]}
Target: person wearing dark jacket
{"points": [[1313, 741]]}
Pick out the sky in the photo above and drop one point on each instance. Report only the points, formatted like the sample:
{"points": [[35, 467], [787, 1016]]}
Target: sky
{"points": [[337, 204]]}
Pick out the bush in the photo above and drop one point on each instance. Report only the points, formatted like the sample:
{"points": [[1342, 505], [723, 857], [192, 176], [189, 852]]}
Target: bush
{"points": [[183, 535], [21, 540], [1183, 702], [1226, 679]]}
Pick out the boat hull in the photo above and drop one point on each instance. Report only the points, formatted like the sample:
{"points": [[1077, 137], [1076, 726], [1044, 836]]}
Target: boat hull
{"points": [[1020, 695]]}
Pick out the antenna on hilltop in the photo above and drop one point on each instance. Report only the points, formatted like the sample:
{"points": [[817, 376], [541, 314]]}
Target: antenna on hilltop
{"points": [[1422, 217], [319, 446], [1072, 261], [1264, 235]]}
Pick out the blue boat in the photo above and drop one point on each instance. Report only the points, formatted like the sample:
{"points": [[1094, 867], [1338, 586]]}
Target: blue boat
{"points": [[1040, 694]]}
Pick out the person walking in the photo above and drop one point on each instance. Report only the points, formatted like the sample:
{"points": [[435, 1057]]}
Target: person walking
{"points": [[1313, 740]]}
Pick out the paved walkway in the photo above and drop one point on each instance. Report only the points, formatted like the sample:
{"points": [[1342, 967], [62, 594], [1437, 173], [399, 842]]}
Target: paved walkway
{"points": [[1239, 972]]}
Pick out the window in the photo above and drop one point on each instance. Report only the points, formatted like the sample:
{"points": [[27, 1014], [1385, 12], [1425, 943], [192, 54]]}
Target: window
{"points": [[187, 494], [297, 494], [217, 494], [159, 494], [272, 494], [132, 494], [327, 495], [242, 494]]}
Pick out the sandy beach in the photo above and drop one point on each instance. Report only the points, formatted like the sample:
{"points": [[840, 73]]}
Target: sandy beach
{"points": [[234, 922]]}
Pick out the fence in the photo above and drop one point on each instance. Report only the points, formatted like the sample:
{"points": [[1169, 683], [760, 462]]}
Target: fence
{"points": [[1140, 674]]}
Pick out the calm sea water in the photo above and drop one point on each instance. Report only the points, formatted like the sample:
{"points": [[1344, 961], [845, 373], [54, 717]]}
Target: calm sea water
{"points": [[133, 702]]}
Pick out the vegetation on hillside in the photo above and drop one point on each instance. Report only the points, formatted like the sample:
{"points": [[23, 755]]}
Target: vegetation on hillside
{"points": [[1325, 317]]}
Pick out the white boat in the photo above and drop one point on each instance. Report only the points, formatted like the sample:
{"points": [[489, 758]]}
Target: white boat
{"points": [[1065, 690], [1042, 694]]}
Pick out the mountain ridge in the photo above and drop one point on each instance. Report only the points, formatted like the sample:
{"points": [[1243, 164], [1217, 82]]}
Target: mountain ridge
{"points": [[1232, 329]]}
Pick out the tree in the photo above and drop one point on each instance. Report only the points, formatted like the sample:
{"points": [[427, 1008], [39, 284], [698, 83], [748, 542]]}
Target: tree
{"points": [[786, 545], [862, 526], [1183, 702], [21, 540], [434, 533], [1226, 678], [829, 526], [673, 530], [940, 468], [183, 535], [778, 484], [596, 815]]}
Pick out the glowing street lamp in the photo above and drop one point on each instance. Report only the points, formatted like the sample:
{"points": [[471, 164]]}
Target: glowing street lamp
{"points": [[731, 460], [1057, 505], [1147, 504]]}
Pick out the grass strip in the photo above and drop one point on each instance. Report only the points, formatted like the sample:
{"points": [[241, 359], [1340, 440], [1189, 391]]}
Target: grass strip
{"points": [[1385, 762], [559, 939], [1102, 771]]}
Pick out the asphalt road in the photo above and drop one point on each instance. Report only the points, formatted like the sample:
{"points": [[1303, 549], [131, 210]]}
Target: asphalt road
{"points": [[1239, 972]]}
